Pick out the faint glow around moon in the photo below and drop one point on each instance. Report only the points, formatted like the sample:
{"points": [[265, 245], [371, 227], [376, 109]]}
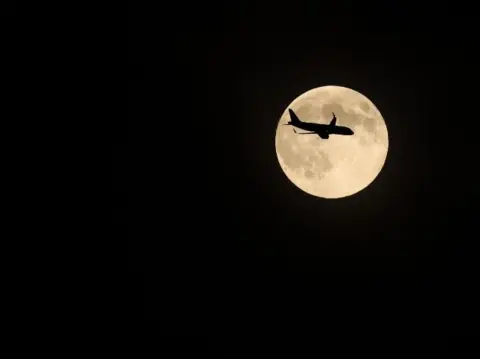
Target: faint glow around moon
{"points": [[341, 165]]}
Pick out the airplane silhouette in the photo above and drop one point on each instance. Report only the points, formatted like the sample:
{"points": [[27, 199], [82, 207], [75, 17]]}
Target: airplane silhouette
{"points": [[324, 131]]}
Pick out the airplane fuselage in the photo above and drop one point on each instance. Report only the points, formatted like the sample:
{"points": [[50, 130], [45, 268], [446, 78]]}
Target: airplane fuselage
{"points": [[324, 129]]}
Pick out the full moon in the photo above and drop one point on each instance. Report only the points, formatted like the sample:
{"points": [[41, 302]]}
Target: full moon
{"points": [[339, 166]]}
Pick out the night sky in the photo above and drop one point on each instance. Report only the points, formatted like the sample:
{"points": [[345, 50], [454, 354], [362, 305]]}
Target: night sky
{"points": [[8, 9], [220, 239]]}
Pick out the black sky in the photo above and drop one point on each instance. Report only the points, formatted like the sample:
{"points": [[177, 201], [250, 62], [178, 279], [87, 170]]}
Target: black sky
{"points": [[219, 238], [8, 8]]}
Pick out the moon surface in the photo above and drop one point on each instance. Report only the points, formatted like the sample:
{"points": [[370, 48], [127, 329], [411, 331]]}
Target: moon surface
{"points": [[339, 166]]}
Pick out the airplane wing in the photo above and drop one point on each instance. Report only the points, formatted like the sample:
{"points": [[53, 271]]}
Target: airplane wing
{"points": [[304, 133], [334, 120]]}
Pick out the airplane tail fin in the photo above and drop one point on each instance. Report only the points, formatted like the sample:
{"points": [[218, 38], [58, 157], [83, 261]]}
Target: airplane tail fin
{"points": [[293, 118]]}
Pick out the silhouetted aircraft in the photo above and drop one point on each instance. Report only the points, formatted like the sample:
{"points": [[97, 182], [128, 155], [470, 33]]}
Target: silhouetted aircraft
{"points": [[324, 131]]}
